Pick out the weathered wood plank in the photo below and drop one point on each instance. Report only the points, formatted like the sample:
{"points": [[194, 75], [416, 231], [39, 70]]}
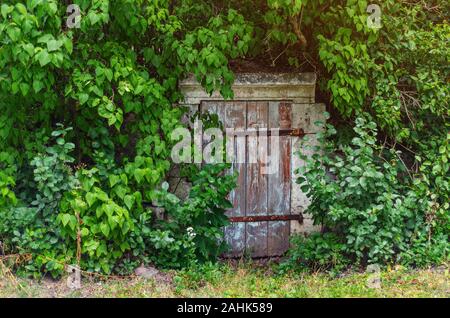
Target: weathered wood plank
{"points": [[235, 238], [256, 184], [278, 238], [304, 116], [279, 183], [256, 243], [257, 117], [235, 117], [211, 108]]}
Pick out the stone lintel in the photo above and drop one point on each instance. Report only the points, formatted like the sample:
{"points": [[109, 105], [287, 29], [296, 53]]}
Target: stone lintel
{"points": [[296, 87]]}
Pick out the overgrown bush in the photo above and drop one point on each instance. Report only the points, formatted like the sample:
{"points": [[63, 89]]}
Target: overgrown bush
{"points": [[317, 252], [199, 219], [30, 225], [370, 209], [71, 214], [84, 195]]}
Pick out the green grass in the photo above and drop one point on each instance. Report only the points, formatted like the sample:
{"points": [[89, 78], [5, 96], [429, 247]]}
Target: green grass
{"points": [[241, 280]]}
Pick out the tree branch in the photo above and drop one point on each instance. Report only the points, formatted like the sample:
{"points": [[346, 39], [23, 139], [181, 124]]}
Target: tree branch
{"points": [[296, 24]]}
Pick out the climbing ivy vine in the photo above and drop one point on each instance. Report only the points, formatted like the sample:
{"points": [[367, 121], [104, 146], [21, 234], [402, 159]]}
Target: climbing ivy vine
{"points": [[113, 80]]}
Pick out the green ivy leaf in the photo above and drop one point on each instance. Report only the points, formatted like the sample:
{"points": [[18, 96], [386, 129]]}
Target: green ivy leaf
{"points": [[65, 219], [83, 98], [13, 33], [37, 86], [105, 229], [6, 9], [53, 45], [129, 201], [43, 57], [91, 198], [24, 88], [84, 232]]}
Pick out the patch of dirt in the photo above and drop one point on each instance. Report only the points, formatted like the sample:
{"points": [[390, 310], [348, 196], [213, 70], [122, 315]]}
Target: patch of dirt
{"points": [[149, 272]]}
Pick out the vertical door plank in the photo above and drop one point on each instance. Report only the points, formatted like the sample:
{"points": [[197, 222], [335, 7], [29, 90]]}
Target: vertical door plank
{"points": [[278, 237], [256, 147], [235, 238], [256, 243], [210, 107], [235, 117], [279, 183], [257, 117]]}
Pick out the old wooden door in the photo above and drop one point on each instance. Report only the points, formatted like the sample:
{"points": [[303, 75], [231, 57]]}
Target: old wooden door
{"points": [[261, 211]]}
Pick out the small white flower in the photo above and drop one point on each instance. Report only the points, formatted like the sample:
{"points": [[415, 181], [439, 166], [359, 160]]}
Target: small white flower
{"points": [[190, 232]]}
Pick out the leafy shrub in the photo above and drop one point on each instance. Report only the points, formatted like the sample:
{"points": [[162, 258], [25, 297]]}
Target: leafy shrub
{"points": [[30, 226], [94, 217], [114, 80], [73, 219], [364, 199], [197, 222], [7, 181], [318, 252]]}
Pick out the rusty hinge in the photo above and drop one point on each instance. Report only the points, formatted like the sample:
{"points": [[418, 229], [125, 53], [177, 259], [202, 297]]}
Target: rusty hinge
{"points": [[264, 218], [296, 132]]}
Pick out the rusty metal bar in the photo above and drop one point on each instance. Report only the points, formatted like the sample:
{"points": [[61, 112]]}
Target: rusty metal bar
{"points": [[264, 218], [295, 132]]}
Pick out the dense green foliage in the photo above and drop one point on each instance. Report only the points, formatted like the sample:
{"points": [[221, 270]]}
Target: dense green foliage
{"points": [[370, 209], [89, 189], [114, 81]]}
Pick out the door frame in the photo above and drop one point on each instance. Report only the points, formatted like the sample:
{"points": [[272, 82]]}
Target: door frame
{"points": [[297, 88]]}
